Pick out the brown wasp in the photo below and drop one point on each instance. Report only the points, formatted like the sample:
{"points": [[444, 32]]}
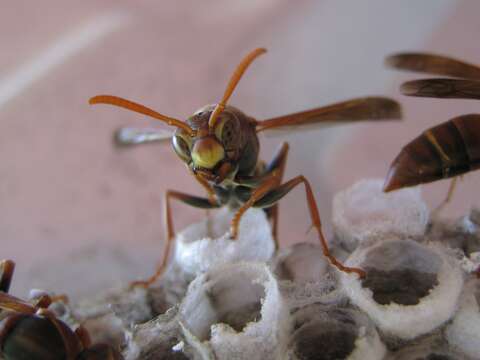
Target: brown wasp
{"points": [[451, 148], [31, 331], [220, 147]]}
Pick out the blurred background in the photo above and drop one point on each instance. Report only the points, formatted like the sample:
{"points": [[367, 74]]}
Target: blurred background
{"points": [[78, 215]]}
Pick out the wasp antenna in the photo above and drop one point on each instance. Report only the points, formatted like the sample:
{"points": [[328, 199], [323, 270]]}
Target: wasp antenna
{"points": [[130, 105], [232, 84]]}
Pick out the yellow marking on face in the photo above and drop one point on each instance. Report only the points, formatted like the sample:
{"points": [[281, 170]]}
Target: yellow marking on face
{"points": [[207, 152]]}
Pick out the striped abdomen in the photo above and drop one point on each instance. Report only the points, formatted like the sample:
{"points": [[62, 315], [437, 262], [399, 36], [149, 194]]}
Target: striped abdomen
{"points": [[441, 152]]}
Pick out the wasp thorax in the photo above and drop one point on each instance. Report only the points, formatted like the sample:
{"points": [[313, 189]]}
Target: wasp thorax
{"points": [[207, 152]]}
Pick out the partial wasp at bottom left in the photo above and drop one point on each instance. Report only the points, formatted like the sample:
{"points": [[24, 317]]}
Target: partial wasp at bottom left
{"points": [[30, 331]]}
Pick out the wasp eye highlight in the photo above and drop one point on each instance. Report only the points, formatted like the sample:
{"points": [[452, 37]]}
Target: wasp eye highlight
{"points": [[181, 148]]}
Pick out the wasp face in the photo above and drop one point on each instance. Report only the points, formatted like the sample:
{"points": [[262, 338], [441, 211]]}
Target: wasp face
{"points": [[213, 154]]}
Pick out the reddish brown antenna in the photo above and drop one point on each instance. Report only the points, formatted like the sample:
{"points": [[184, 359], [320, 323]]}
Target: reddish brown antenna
{"points": [[232, 84], [130, 105]]}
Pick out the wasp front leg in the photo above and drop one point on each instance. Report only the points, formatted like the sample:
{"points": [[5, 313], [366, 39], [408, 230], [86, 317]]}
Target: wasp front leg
{"points": [[278, 163], [271, 178], [195, 201], [448, 198], [279, 192], [268, 184]]}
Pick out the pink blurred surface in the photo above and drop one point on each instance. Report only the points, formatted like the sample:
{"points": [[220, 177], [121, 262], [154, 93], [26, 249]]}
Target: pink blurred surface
{"points": [[63, 187]]}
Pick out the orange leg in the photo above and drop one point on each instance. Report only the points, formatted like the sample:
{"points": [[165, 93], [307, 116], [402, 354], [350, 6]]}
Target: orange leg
{"points": [[61, 297], [83, 336], [42, 302], [279, 192], [278, 162], [212, 198], [169, 231], [45, 300], [269, 184], [273, 178], [211, 194], [448, 198], [274, 216]]}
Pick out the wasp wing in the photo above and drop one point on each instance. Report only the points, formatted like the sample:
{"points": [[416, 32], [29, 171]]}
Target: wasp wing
{"points": [[128, 136], [367, 108], [434, 64], [442, 88], [12, 303]]}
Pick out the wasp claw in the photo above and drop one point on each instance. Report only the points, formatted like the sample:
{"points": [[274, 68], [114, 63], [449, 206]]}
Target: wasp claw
{"points": [[233, 235]]}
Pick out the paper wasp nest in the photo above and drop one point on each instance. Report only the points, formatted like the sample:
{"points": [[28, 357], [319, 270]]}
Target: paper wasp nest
{"points": [[224, 299], [207, 244]]}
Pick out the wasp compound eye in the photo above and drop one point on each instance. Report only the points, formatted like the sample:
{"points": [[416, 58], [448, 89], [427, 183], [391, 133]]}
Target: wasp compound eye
{"points": [[181, 147]]}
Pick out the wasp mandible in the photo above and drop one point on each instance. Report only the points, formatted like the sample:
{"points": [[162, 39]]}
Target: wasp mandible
{"points": [[220, 146]]}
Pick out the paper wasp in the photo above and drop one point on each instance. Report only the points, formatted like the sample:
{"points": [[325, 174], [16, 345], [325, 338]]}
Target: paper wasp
{"points": [[31, 331], [446, 150], [220, 147]]}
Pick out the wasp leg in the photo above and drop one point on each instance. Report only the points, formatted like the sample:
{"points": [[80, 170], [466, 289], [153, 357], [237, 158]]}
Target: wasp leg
{"points": [[448, 198], [272, 213], [61, 297], [42, 301], [265, 182], [276, 194], [268, 184], [6, 267], [191, 200], [82, 334], [278, 162], [212, 198]]}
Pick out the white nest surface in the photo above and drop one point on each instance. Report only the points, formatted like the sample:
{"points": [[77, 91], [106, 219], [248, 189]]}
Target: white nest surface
{"points": [[207, 244]]}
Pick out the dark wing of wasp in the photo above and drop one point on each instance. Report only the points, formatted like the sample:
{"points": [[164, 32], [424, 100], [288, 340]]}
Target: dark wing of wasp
{"points": [[442, 88], [434, 64], [367, 108]]}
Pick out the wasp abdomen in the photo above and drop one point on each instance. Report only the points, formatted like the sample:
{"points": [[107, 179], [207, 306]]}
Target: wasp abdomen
{"points": [[32, 337], [469, 128], [441, 152]]}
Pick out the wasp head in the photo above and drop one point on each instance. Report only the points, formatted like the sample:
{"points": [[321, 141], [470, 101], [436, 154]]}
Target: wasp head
{"points": [[217, 141], [214, 153]]}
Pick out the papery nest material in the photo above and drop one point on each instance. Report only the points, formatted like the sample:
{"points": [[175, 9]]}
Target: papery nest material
{"points": [[410, 289], [207, 244], [235, 309]]}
